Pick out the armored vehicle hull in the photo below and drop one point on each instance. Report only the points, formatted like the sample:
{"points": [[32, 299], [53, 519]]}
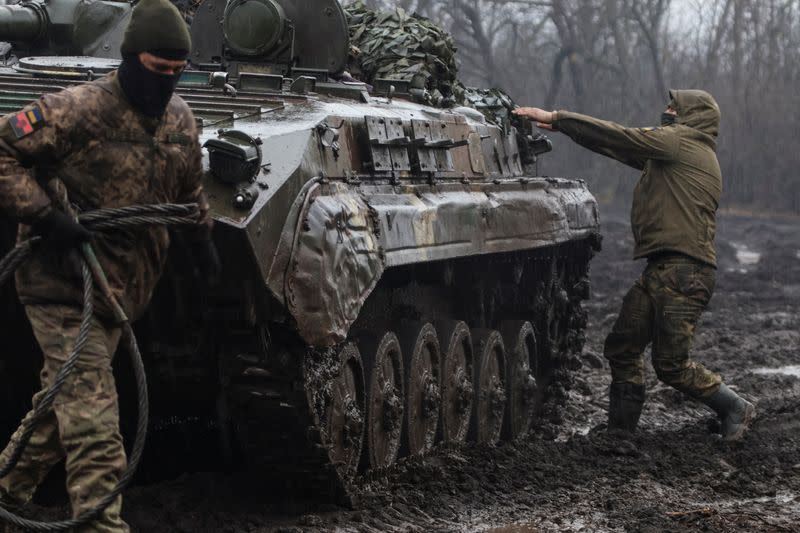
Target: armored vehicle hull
{"points": [[395, 274]]}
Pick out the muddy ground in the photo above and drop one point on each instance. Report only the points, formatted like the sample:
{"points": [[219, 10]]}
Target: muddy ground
{"points": [[569, 475]]}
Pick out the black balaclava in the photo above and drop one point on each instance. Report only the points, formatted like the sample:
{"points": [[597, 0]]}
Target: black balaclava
{"points": [[149, 92], [668, 119], [157, 27]]}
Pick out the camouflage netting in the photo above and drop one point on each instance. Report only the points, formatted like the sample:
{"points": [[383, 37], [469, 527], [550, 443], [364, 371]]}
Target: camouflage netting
{"points": [[495, 105], [400, 46]]}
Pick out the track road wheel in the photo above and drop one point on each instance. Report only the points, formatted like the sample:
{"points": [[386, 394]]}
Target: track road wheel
{"points": [[490, 400], [385, 396], [457, 380], [345, 414], [520, 343], [422, 363]]}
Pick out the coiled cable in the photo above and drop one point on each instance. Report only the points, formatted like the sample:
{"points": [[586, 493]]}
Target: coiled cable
{"points": [[101, 220]]}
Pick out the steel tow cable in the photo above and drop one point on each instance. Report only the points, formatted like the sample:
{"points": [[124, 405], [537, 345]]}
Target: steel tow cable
{"points": [[91, 272]]}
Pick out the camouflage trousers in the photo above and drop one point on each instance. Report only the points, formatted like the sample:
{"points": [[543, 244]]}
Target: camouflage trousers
{"points": [[83, 425], [663, 308]]}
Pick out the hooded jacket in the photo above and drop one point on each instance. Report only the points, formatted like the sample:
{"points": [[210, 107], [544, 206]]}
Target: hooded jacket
{"points": [[676, 200]]}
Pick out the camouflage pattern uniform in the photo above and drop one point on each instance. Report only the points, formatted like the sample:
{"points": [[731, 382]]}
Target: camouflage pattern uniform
{"points": [[107, 155], [663, 307], [84, 423], [673, 218]]}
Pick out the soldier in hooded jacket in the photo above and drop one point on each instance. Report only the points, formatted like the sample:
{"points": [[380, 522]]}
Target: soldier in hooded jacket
{"points": [[673, 218], [123, 140]]}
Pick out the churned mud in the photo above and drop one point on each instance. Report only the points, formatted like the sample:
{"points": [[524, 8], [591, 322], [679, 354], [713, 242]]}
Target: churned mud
{"points": [[570, 475]]}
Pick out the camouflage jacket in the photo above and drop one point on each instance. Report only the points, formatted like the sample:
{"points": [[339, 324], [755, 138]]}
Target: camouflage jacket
{"points": [[676, 200], [107, 155]]}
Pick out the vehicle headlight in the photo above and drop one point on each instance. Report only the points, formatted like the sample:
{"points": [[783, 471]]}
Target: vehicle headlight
{"points": [[234, 157]]}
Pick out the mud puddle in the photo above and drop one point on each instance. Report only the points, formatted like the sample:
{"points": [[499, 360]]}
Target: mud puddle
{"points": [[745, 256], [791, 370], [788, 500]]}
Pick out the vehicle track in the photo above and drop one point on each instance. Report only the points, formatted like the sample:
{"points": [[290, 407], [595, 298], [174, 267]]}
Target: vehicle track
{"points": [[359, 406]]}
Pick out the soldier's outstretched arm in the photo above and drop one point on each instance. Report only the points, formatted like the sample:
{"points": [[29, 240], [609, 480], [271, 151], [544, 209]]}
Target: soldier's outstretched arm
{"points": [[40, 134], [632, 146], [616, 140]]}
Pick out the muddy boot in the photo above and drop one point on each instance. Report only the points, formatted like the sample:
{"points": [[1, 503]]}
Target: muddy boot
{"points": [[735, 413], [625, 406]]}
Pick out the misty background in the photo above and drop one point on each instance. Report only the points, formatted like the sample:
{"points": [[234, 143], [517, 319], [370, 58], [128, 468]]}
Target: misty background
{"points": [[616, 59]]}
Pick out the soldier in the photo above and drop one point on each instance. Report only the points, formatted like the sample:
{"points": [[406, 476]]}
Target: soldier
{"points": [[674, 221], [122, 140]]}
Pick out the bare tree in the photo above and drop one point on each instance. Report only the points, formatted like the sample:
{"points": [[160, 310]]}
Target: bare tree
{"points": [[616, 58]]}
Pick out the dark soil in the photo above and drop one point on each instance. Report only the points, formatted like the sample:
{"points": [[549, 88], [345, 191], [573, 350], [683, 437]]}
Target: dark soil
{"points": [[673, 475]]}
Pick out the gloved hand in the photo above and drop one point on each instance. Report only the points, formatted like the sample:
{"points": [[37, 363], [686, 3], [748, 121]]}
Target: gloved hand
{"points": [[207, 261], [60, 230]]}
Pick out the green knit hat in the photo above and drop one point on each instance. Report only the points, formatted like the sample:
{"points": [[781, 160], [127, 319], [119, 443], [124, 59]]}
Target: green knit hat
{"points": [[156, 25]]}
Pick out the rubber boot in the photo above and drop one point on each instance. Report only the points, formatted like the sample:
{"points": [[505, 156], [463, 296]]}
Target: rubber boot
{"points": [[734, 412], [625, 406]]}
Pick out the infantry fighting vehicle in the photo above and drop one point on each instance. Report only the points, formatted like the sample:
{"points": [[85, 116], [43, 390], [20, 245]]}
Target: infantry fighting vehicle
{"points": [[395, 274]]}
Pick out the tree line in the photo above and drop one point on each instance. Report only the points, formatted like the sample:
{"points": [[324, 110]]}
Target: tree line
{"points": [[616, 59]]}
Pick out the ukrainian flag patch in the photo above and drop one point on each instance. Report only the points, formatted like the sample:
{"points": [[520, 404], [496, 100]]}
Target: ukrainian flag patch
{"points": [[26, 122]]}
